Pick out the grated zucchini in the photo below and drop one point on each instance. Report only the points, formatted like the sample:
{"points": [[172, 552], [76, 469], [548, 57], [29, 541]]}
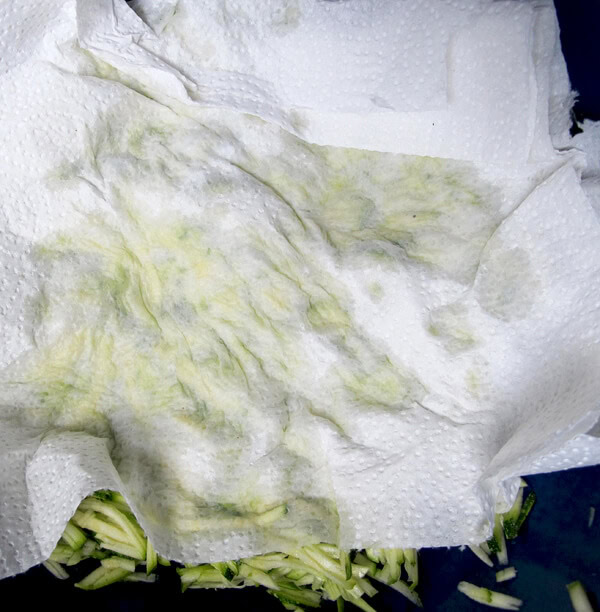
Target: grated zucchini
{"points": [[489, 598], [104, 528], [579, 598]]}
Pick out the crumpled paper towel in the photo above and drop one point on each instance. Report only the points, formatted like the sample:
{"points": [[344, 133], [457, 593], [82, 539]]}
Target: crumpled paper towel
{"points": [[446, 51], [421, 331]]}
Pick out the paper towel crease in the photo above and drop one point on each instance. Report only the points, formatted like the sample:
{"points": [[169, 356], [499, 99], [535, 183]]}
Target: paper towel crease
{"points": [[214, 316]]}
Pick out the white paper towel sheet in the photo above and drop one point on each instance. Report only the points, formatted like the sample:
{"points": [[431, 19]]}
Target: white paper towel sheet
{"points": [[213, 316], [475, 82]]}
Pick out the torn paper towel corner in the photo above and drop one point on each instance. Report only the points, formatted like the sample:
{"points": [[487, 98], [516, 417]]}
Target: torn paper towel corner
{"points": [[332, 255]]}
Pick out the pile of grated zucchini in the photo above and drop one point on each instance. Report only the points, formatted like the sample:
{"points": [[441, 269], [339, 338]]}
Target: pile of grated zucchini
{"points": [[104, 528]]}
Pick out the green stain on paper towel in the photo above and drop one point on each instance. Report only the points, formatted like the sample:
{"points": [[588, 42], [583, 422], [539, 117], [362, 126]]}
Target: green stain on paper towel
{"points": [[428, 211], [160, 297], [507, 286], [213, 316], [166, 287], [450, 324], [376, 291]]}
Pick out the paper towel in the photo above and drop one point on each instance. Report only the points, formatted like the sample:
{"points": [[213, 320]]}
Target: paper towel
{"points": [[471, 311], [346, 56], [499, 69], [270, 57], [492, 64]]}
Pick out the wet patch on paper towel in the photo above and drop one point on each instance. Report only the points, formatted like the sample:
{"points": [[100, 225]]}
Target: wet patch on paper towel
{"points": [[506, 286], [450, 323], [202, 298]]}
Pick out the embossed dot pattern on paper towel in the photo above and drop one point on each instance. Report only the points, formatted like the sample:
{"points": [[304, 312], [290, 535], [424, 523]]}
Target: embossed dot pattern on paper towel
{"points": [[319, 342], [357, 55]]}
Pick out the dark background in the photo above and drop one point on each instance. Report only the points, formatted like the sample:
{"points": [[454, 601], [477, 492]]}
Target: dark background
{"points": [[580, 37], [555, 547]]}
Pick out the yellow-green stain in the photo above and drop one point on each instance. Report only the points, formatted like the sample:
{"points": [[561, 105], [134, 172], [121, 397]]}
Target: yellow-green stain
{"points": [[376, 291], [148, 312]]}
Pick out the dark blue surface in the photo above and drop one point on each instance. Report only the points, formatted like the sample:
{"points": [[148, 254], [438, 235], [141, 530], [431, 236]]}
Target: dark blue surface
{"points": [[580, 38], [555, 547]]}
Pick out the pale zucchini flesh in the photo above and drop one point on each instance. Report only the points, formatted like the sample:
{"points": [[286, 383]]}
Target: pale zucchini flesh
{"points": [[485, 596], [579, 598]]}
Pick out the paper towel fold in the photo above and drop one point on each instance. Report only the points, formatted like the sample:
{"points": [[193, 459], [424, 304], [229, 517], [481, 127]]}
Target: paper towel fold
{"points": [[271, 57], [348, 56], [451, 336], [493, 65], [44, 479]]}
